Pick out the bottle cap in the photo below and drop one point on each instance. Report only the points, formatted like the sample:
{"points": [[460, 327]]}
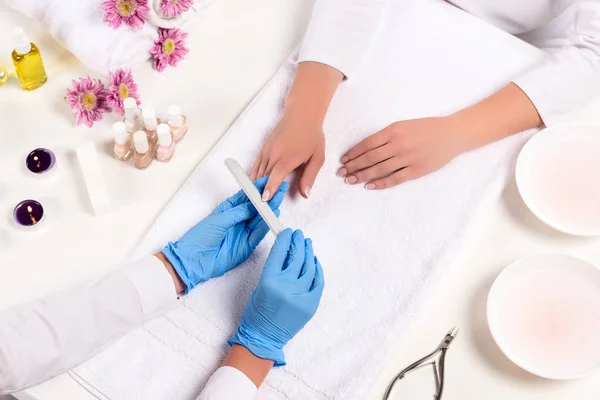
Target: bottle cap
{"points": [[175, 119], [164, 135], [149, 119], [132, 112], [22, 43], [140, 141], [120, 132]]}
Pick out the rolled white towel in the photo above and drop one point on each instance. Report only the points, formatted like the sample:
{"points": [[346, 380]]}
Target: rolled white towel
{"points": [[78, 26]]}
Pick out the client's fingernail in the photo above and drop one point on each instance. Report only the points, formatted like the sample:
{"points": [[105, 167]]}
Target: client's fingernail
{"points": [[370, 186], [266, 195], [342, 172], [351, 179], [307, 191], [344, 159]]}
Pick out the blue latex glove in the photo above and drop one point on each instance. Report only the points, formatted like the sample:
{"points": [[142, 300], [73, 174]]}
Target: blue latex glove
{"points": [[285, 299], [223, 240]]}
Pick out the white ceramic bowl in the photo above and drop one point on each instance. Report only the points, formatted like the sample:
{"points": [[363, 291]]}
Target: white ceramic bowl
{"points": [[544, 313], [558, 176]]}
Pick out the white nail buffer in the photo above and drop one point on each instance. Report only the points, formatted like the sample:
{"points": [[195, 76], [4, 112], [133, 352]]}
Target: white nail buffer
{"points": [[92, 176], [252, 192]]}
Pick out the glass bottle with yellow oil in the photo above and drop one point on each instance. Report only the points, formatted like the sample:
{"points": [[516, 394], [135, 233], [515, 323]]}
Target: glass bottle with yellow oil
{"points": [[29, 66], [3, 74]]}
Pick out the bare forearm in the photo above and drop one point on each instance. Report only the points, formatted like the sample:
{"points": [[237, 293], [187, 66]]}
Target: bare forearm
{"points": [[500, 115], [177, 282], [313, 88], [255, 368]]}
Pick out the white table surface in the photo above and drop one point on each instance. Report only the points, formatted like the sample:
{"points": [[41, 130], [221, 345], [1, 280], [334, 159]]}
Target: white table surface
{"points": [[235, 47]]}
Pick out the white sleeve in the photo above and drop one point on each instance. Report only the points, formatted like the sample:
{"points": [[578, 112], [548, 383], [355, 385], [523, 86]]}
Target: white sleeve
{"points": [[569, 77], [48, 337], [340, 31], [228, 383]]}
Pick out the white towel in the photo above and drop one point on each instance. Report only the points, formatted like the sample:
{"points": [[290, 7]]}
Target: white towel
{"points": [[382, 252], [78, 26]]}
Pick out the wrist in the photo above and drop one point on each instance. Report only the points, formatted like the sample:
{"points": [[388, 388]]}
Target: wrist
{"points": [[298, 106], [313, 88], [242, 359], [259, 345], [177, 281]]}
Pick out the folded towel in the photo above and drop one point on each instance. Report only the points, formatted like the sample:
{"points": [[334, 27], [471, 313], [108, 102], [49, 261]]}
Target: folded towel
{"points": [[78, 26], [382, 252]]}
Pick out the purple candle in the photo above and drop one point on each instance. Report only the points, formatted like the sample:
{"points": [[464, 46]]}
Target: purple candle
{"points": [[28, 213], [40, 160]]}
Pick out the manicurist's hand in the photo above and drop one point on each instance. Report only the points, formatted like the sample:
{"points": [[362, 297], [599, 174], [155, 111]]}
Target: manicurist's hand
{"points": [[223, 240], [285, 299], [298, 140], [401, 152]]}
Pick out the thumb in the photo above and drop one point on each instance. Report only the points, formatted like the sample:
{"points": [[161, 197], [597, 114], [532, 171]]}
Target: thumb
{"points": [[309, 175], [237, 214], [279, 252]]}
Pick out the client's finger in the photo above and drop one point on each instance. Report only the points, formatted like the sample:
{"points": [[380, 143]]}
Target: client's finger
{"points": [[309, 175], [372, 142], [262, 169], [255, 167], [278, 175], [380, 170], [366, 160], [277, 199], [397, 178]]}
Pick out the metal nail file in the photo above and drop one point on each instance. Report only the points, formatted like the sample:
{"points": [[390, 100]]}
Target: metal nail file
{"points": [[252, 192]]}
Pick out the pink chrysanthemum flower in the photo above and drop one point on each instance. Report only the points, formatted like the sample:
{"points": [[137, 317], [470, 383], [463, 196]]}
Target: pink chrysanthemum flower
{"points": [[88, 101], [174, 8], [121, 87], [169, 48], [128, 12]]}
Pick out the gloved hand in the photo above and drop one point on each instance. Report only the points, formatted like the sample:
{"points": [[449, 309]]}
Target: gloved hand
{"points": [[285, 299], [223, 240]]}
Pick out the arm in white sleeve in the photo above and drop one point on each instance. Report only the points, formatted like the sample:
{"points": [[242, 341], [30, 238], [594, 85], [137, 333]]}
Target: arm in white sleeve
{"points": [[570, 76], [228, 383], [340, 31], [43, 339]]}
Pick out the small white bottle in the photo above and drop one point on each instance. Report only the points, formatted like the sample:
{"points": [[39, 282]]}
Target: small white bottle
{"points": [[133, 120], [177, 123], [166, 146], [142, 157], [122, 147], [150, 124]]}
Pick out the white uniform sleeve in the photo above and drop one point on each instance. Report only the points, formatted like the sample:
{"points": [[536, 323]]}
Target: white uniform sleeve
{"points": [[570, 76], [228, 383], [340, 31], [43, 339]]}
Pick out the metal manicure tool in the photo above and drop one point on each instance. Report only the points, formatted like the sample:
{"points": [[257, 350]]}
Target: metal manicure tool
{"points": [[252, 192], [438, 366]]}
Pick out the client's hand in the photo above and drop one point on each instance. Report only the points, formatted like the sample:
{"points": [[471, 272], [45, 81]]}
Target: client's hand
{"points": [[403, 151], [294, 142], [286, 298], [298, 139], [223, 240]]}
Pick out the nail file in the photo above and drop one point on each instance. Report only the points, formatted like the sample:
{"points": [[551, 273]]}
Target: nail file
{"points": [[252, 192]]}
